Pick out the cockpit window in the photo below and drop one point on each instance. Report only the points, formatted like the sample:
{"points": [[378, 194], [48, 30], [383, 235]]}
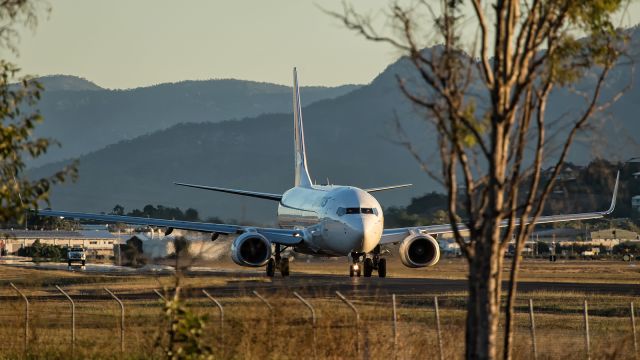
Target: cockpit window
{"points": [[349, 211]]}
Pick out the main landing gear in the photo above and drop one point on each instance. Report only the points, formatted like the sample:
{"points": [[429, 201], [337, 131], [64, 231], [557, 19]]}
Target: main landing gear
{"points": [[375, 262], [277, 262]]}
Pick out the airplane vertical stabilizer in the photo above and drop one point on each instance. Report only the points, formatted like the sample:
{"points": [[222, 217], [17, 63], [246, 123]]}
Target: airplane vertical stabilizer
{"points": [[302, 174]]}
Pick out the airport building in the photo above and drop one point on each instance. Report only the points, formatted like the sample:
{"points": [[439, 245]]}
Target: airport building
{"points": [[98, 242]]}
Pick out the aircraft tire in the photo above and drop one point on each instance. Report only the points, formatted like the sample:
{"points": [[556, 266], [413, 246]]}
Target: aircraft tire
{"points": [[382, 268], [351, 272], [271, 267], [368, 267], [83, 262], [284, 267]]}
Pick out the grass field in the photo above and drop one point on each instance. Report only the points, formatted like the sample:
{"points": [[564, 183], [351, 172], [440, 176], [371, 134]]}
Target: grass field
{"points": [[247, 332]]}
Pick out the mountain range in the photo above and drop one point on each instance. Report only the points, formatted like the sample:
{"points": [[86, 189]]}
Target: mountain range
{"points": [[352, 139], [84, 117]]}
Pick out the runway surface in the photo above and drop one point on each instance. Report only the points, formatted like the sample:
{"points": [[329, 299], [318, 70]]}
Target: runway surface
{"points": [[243, 283], [327, 285]]}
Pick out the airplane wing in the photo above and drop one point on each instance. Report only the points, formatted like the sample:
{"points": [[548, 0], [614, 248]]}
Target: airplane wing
{"points": [[276, 236], [391, 236], [383, 188], [260, 195]]}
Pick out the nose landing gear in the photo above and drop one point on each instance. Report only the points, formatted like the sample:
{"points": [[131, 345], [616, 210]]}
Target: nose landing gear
{"points": [[278, 262], [369, 264], [354, 270]]}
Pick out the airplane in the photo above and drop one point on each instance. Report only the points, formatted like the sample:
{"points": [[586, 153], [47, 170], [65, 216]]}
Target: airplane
{"points": [[319, 220]]}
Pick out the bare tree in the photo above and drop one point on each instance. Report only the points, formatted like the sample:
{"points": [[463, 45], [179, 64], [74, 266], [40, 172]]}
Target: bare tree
{"points": [[487, 100]]}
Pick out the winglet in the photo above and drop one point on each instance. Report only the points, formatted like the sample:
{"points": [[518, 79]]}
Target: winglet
{"points": [[302, 177], [615, 195]]}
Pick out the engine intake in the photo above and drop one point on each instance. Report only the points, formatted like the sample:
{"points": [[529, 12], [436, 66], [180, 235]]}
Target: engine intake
{"points": [[251, 249], [419, 251]]}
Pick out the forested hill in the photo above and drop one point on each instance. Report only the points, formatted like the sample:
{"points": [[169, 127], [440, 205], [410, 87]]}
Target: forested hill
{"points": [[351, 139], [85, 117], [578, 189]]}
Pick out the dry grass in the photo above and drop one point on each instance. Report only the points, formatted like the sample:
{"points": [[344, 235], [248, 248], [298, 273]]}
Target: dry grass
{"points": [[247, 333]]}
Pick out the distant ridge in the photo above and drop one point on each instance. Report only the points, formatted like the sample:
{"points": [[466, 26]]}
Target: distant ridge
{"points": [[67, 83]]}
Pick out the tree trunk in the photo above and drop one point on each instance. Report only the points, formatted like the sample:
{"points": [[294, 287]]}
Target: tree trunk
{"points": [[483, 306]]}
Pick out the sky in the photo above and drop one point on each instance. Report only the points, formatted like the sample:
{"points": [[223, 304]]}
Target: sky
{"points": [[131, 43]]}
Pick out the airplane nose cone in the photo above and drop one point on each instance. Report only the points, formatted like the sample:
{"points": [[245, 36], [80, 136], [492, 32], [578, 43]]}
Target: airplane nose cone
{"points": [[372, 233], [366, 232]]}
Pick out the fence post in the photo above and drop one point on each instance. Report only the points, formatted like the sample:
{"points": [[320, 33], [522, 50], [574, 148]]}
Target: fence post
{"points": [[313, 321], [357, 324], [395, 327], [271, 319], [633, 329], [26, 318], [221, 318], [121, 318], [160, 295], [586, 329], [533, 330], [73, 320], [437, 310]]}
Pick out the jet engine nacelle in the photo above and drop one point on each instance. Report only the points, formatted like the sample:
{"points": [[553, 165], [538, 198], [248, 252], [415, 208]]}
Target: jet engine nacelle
{"points": [[251, 249], [419, 250]]}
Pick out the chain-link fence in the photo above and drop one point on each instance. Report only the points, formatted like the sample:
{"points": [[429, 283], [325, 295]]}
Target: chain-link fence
{"points": [[53, 322]]}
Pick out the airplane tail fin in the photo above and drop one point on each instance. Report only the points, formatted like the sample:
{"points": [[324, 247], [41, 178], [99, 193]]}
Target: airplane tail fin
{"points": [[302, 174]]}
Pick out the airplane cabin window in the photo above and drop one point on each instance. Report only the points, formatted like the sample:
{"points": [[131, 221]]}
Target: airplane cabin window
{"points": [[367, 210], [353, 210]]}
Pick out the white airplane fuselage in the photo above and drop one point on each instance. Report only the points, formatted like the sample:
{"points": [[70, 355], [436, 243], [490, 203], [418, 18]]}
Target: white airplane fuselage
{"points": [[337, 220]]}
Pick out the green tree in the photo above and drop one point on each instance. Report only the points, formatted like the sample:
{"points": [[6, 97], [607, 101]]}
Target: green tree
{"points": [[118, 210], [542, 247], [18, 95]]}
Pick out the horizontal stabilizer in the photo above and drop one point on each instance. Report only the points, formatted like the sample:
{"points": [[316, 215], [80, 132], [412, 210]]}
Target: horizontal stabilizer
{"points": [[386, 188], [260, 195]]}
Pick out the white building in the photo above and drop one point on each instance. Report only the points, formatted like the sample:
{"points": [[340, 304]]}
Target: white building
{"points": [[96, 242]]}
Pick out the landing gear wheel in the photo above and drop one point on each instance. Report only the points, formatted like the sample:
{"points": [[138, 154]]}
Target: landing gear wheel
{"points": [[351, 272], [358, 271], [382, 268], [368, 267], [82, 262], [284, 267], [271, 267], [69, 263]]}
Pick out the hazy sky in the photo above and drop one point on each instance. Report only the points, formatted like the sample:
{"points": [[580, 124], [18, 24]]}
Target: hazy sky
{"points": [[131, 43]]}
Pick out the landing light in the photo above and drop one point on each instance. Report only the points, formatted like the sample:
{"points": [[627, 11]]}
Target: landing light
{"points": [[356, 267]]}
